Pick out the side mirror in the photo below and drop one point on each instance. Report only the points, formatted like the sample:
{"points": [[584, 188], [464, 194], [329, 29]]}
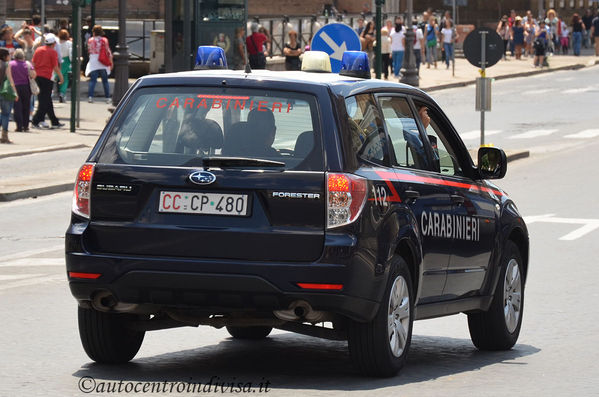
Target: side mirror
{"points": [[492, 163]]}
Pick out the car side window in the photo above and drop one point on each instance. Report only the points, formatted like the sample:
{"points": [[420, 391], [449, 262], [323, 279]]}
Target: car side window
{"points": [[403, 131], [365, 125], [445, 159]]}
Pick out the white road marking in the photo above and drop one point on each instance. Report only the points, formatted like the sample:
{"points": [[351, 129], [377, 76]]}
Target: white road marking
{"points": [[537, 218], [33, 281], [533, 134], [8, 277], [578, 90], [537, 92], [589, 225], [33, 262], [578, 233], [26, 254], [476, 134], [584, 134]]}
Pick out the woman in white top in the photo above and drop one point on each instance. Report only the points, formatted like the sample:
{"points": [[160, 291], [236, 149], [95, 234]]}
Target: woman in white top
{"points": [[503, 30], [386, 51], [448, 33], [419, 45], [95, 68], [397, 47], [65, 67]]}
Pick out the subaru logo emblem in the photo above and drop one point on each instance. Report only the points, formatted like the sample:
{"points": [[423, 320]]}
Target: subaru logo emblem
{"points": [[202, 177]]}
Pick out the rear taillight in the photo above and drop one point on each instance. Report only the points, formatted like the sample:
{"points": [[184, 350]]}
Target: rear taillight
{"points": [[346, 197], [83, 188]]}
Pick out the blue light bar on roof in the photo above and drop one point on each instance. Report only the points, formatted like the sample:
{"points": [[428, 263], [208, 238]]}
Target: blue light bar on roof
{"points": [[355, 64], [210, 57]]}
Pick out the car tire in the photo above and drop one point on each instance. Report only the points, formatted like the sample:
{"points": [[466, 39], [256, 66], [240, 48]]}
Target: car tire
{"points": [[106, 337], [499, 327], [380, 347], [249, 332]]}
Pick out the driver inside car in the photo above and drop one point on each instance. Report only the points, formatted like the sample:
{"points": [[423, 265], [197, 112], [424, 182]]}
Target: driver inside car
{"points": [[262, 126]]}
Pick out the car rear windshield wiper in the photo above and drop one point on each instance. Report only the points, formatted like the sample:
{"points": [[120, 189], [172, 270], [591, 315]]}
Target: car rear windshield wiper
{"points": [[233, 162]]}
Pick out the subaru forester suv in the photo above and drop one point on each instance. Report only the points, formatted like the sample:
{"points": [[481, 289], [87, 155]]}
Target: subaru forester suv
{"points": [[318, 203]]}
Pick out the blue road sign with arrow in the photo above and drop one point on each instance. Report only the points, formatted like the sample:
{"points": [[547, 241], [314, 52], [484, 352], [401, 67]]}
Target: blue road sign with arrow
{"points": [[335, 39]]}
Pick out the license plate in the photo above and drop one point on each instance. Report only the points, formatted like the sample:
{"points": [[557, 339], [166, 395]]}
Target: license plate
{"points": [[204, 203]]}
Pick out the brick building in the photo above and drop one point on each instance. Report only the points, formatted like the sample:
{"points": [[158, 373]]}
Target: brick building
{"points": [[477, 12], [105, 9]]}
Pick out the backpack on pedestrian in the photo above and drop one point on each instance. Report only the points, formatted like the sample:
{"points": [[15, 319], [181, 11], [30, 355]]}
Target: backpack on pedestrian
{"points": [[538, 44]]}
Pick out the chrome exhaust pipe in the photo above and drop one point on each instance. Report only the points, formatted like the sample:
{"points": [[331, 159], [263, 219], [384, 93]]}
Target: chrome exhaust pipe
{"points": [[300, 310], [104, 301]]}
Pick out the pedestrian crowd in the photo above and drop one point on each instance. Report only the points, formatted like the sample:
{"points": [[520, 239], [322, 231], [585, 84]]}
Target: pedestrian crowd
{"points": [[35, 62], [526, 36], [431, 36], [37, 56]]}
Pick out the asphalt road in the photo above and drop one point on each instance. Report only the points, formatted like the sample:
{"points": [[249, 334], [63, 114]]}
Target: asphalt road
{"points": [[40, 352], [544, 112]]}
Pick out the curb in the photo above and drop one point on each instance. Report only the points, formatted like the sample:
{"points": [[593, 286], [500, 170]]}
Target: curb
{"points": [[40, 191], [509, 76], [517, 155], [511, 156], [43, 150]]}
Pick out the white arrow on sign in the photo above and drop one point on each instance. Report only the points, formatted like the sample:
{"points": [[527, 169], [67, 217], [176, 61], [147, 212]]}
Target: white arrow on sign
{"points": [[588, 224], [338, 50]]}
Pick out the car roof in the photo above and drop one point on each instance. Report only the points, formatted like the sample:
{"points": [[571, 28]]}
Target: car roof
{"points": [[341, 85]]}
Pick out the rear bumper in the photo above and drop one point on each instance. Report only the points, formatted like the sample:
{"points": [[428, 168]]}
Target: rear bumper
{"points": [[223, 286]]}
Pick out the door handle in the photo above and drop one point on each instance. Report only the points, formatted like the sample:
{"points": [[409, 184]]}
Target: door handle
{"points": [[457, 199], [411, 195]]}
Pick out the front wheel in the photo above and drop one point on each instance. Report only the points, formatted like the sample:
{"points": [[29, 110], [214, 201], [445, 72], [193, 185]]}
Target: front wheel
{"points": [[498, 328], [106, 337], [380, 347]]}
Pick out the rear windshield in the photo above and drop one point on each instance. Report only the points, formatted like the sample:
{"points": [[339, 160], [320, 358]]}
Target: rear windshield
{"points": [[181, 126]]}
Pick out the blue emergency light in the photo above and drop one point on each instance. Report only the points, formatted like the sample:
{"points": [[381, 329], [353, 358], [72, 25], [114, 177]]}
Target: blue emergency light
{"points": [[355, 64], [210, 57]]}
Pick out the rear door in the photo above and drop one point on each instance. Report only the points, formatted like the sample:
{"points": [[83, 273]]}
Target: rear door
{"points": [[216, 173]]}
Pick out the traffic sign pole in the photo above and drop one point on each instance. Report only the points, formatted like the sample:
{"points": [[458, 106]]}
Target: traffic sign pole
{"points": [[455, 27], [377, 53], [483, 61], [483, 48], [75, 64]]}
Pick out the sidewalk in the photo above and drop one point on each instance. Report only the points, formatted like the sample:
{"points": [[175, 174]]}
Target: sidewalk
{"points": [[95, 115], [435, 79]]}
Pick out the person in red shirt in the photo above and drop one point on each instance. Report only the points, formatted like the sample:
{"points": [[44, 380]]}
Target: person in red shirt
{"points": [[45, 61], [256, 49]]}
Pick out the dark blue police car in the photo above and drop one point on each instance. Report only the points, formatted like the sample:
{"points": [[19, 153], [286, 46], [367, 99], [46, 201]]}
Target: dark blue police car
{"points": [[291, 200]]}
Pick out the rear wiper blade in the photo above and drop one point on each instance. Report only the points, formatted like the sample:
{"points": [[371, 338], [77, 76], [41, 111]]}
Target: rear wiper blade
{"points": [[236, 162]]}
